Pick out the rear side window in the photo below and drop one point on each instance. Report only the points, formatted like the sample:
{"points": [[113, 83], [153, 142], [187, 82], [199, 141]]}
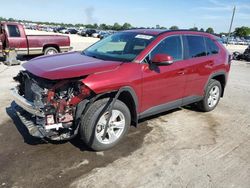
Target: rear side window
{"points": [[13, 31], [196, 46], [212, 48], [171, 46]]}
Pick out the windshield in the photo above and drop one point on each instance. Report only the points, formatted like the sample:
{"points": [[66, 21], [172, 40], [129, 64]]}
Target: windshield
{"points": [[124, 46]]}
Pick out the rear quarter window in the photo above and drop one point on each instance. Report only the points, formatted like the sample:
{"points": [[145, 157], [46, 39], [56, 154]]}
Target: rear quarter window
{"points": [[212, 48], [13, 31], [196, 46]]}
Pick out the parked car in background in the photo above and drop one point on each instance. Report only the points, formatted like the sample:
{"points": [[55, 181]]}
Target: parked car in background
{"points": [[71, 31], [95, 35], [103, 34], [57, 30], [89, 32], [13, 37], [127, 76], [63, 31], [49, 29], [242, 42], [82, 32]]}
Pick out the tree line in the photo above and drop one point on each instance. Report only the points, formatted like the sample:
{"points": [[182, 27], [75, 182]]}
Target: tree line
{"points": [[239, 31], [115, 26]]}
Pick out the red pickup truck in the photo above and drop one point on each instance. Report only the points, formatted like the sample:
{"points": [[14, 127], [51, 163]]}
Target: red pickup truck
{"points": [[13, 36]]}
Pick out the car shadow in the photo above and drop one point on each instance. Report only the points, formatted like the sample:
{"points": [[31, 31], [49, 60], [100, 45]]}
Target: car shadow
{"points": [[158, 115], [142, 128], [26, 57], [21, 127], [192, 107], [1, 59]]}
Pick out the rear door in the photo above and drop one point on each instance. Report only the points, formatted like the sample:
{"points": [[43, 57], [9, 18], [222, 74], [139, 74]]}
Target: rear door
{"points": [[199, 67]]}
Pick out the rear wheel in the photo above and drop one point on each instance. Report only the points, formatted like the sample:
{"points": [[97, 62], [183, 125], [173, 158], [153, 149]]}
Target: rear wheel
{"points": [[94, 121], [50, 51], [212, 96]]}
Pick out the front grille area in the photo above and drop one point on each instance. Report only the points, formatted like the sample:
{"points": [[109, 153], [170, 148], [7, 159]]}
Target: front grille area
{"points": [[28, 93]]}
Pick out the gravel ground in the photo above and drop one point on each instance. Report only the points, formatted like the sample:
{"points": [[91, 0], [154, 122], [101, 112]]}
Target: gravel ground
{"points": [[180, 148]]}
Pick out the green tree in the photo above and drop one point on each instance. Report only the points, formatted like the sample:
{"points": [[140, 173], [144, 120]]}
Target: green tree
{"points": [[117, 27], [126, 26], [174, 27], [103, 26], [95, 26], [11, 19], [201, 30], [242, 31], [223, 34], [210, 30], [194, 29]]}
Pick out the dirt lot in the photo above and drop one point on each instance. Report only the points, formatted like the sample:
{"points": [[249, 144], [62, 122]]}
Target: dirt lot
{"points": [[181, 148]]}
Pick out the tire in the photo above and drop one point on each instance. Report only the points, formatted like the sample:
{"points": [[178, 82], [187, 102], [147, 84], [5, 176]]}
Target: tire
{"points": [[212, 96], [236, 55], [50, 51], [92, 124]]}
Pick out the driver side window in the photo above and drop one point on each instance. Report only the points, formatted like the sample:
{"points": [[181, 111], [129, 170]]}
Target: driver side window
{"points": [[171, 46]]}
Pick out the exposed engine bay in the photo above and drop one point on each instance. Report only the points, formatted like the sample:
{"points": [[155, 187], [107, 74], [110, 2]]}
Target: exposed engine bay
{"points": [[56, 102]]}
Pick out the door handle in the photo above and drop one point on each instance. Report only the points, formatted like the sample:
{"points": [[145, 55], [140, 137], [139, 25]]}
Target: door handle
{"points": [[181, 72], [210, 64]]}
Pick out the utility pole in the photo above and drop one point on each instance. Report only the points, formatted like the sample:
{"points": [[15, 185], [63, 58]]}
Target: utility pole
{"points": [[229, 32]]}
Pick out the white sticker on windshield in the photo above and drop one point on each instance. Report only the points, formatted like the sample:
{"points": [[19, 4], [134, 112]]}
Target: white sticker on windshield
{"points": [[147, 37]]}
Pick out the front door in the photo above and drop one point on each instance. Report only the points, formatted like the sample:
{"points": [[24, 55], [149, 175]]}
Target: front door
{"points": [[163, 86], [1, 39], [17, 38]]}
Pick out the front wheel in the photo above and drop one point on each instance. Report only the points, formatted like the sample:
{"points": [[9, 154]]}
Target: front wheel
{"points": [[94, 121], [212, 96]]}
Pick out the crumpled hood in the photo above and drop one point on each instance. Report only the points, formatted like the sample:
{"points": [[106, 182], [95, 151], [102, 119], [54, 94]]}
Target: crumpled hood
{"points": [[67, 65]]}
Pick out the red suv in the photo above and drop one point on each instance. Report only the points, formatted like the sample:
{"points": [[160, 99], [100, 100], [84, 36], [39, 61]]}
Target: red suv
{"points": [[127, 76]]}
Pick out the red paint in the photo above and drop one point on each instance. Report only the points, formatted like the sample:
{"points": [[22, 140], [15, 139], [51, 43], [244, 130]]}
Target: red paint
{"points": [[161, 58], [67, 65], [181, 79]]}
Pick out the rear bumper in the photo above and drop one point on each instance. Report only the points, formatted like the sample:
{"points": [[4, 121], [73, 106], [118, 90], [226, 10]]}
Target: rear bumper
{"points": [[65, 48], [25, 104]]}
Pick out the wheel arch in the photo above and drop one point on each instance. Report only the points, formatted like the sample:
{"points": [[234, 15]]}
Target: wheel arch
{"points": [[51, 45], [220, 76], [127, 96]]}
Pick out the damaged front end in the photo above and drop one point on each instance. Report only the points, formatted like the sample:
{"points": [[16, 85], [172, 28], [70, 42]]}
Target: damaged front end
{"points": [[48, 108]]}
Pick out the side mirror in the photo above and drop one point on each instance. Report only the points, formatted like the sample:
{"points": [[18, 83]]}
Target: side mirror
{"points": [[162, 59]]}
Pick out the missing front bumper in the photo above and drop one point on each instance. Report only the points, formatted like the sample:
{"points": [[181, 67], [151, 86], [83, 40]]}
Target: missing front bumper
{"points": [[25, 104], [28, 121]]}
